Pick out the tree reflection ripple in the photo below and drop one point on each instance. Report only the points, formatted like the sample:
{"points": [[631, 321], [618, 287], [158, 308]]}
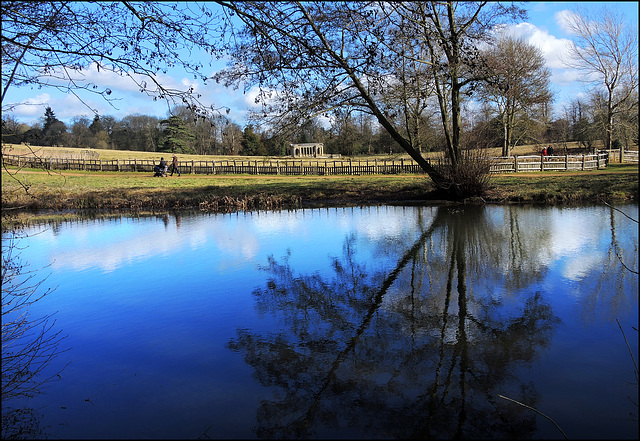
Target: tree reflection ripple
{"points": [[420, 350]]}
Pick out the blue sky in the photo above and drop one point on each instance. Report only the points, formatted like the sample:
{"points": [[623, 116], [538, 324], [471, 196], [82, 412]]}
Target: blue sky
{"points": [[543, 28]]}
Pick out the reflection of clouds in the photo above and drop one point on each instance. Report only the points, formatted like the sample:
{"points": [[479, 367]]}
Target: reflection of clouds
{"points": [[237, 241], [111, 247], [115, 255], [197, 238], [277, 222], [370, 222], [387, 222], [574, 240], [578, 268], [561, 234]]}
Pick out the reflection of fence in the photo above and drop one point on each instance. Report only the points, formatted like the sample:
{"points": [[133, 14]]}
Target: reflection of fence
{"points": [[510, 164]]}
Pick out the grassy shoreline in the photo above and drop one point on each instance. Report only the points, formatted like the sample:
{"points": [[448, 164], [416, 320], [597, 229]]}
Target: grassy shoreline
{"points": [[136, 192]]}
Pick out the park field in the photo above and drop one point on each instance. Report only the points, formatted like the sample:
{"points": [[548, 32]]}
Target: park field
{"points": [[27, 191], [109, 155], [32, 189]]}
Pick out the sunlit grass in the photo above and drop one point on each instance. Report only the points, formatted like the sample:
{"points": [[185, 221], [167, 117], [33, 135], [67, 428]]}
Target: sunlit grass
{"points": [[135, 191], [127, 190], [618, 182], [108, 155]]}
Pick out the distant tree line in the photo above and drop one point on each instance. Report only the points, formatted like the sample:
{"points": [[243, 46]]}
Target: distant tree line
{"points": [[359, 77], [349, 134]]}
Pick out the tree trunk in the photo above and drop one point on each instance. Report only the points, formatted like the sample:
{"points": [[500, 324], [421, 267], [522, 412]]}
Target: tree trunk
{"points": [[505, 129]]}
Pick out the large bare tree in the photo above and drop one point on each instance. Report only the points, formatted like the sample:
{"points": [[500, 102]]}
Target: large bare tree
{"points": [[520, 85], [308, 58], [452, 32], [605, 51]]}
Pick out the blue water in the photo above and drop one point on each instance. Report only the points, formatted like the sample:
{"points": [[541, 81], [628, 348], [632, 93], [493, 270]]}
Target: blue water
{"points": [[374, 322]]}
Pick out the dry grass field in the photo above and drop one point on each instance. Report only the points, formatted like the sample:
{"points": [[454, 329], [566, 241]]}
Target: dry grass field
{"points": [[107, 155]]}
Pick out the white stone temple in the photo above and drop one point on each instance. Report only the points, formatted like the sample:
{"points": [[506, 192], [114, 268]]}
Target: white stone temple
{"points": [[310, 150]]}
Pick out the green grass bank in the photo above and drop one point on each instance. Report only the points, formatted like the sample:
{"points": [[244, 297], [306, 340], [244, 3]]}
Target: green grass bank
{"points": [[27, 191]]}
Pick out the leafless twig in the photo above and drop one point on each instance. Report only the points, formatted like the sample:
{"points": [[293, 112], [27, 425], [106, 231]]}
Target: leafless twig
{"points": [[536, 411]]}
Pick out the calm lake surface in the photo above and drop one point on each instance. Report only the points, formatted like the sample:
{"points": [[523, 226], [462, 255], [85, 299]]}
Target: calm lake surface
{"points": [[372, 322]]}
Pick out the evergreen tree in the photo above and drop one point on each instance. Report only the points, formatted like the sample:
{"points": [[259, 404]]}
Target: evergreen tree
{"points": [[251, 143], [49, 118], [177, 138], [53, 130], [96, 126]]}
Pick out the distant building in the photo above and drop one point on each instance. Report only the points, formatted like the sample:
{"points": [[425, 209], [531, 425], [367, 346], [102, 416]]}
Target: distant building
{"points": [[310, 150]]}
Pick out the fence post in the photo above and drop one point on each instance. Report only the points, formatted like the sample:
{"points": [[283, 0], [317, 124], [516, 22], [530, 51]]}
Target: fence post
{"points": [[277, 166], [515, 164], [541, 163], [566, 162], [583, 161]]}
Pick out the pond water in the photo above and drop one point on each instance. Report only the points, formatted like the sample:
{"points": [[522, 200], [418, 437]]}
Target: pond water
{"points": [[368, 322]]}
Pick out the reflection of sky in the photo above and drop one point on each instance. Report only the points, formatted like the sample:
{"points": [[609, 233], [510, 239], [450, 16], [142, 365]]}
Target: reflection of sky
{"points": [[574, 240], [151, 306], [569, 235], [581, 237], [112, 244]]}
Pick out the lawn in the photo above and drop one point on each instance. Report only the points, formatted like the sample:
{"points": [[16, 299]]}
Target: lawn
{"points": [[38, 189]]}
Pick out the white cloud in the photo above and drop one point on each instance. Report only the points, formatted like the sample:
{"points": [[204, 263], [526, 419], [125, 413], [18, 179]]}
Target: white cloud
{"points": [[33, 107], [125, 96], [562, 77], [564, 81], [554, 49], [256, 97], [252, 98], [116, 82], [563, 18]]}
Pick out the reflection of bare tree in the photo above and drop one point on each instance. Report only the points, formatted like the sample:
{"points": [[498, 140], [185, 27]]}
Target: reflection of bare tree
{"points": [[619, 270], [398, 354], [28, 344]]}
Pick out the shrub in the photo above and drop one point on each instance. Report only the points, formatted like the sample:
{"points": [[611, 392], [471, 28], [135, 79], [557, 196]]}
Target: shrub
{"points": [[468, 178]]}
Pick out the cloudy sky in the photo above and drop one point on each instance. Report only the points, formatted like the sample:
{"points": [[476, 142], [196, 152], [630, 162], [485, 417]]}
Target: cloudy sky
{"points": [[543, 28]]}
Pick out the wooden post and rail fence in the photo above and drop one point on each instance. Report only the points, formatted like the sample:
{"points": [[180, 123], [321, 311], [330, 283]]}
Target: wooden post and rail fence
{"points": [[346, 166]]}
